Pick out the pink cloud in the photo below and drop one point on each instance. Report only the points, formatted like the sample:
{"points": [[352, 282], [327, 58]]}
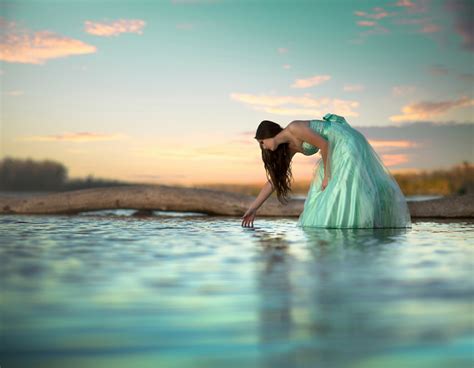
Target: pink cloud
{"points": [[419, 6], [18, 45], [366, 23], [379, 14], [428, 109], [114, 28]]}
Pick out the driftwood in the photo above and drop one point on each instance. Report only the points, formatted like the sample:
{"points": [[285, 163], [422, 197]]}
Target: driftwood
{"points": [[165, 198]]}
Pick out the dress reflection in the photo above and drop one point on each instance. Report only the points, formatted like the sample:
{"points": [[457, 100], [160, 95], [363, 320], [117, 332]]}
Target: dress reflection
{"points": [[325, 319]]}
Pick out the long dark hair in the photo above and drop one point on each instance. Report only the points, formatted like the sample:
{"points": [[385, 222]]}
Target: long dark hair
{"points": [[277, 163]]}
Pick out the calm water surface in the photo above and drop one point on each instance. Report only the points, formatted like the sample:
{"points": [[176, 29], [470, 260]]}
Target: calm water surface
{"points": [[106, 289]]}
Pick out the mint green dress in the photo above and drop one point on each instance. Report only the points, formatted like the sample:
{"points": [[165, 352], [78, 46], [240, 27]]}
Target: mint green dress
{"points": [[361, 192]]}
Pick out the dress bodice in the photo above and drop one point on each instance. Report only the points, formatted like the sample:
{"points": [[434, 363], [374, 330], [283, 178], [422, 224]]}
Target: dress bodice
{"points": [[321, 127], [309, 149]]}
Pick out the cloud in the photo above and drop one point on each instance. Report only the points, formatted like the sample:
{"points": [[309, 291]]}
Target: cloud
{"points": [[74, 137], [426, 24], [282, 50], [286, 66], [463, 20], [412, 6], [298, 105], [353, 87], [370, 20], [311, 81], [14, 93], [379, 14], [19, 45], [373, 19], [429, 109], [390, 144], [403, 90], [366, 23], [114, 28], [426, 144], [391, 160]]}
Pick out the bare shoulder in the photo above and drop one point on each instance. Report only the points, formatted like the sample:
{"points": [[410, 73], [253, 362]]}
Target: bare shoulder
{"points": [[296, 125]]}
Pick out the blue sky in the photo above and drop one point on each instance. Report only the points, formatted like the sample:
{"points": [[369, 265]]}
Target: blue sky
{"points": [[172, 91]]}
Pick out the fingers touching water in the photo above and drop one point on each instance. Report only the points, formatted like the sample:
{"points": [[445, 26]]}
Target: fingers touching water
{"points": [[248, 217]]}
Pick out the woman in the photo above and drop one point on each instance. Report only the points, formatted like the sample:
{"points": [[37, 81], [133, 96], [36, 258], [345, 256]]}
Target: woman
{"points": [[355, 191]]}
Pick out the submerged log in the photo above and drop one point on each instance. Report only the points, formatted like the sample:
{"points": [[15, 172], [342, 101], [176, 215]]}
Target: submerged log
{"points": [[146, 198]]}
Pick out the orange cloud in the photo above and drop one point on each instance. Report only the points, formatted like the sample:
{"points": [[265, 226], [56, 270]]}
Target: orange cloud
{"points": [[394, 160], [305, 105], [428, 109], [384, 144], [309, 82], [74, 137], [22, 46], [107, 29]]}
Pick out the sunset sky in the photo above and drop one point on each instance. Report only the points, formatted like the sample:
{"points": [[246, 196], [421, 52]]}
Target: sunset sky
{"points": [[172, 91]]}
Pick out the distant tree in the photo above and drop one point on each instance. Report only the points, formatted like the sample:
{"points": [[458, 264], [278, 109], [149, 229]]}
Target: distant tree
{"points": [[26, 174]]}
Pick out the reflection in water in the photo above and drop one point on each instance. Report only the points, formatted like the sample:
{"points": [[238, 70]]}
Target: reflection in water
{"points": [[113, 290], [274, 286], [353, 303]]}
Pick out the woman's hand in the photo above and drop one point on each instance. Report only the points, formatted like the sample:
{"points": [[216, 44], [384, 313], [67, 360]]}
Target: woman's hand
{"points": [[325, 182], [248, 217]]}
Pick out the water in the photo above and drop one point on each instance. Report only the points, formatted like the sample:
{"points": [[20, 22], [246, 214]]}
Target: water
{"points": [[106, 289]]}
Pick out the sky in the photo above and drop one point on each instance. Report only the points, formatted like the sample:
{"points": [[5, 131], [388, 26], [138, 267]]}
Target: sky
{"points": [[173, 91]]}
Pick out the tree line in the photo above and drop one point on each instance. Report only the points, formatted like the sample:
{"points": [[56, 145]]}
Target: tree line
{"points": [[47, 175]]}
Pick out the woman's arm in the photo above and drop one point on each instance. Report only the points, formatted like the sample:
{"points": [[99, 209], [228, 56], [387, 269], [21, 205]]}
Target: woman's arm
{"points": [[324, 154], [249, 215]]}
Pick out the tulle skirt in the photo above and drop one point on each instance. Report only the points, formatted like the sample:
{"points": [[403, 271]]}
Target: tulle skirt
{"points": [[361, 192]]}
